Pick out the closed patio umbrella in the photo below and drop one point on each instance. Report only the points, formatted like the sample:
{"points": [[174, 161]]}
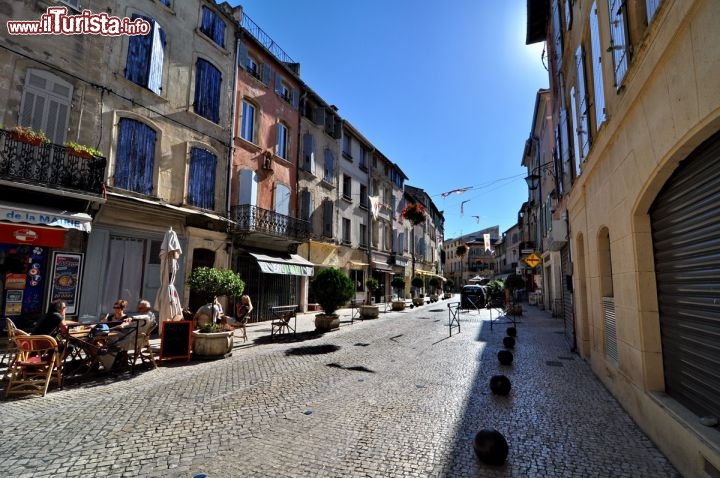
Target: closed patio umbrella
{"points": [[167, 301]]}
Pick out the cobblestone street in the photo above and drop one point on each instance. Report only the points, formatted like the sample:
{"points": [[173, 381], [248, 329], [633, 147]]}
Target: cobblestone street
{"points": [[392, 397]]}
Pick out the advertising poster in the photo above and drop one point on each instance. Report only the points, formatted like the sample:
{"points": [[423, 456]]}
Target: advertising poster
{"points": [[13, 302], [66, 276]]}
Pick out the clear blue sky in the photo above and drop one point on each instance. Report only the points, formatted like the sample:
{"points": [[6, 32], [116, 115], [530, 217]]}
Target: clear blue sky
{"points": [[444, 89]]}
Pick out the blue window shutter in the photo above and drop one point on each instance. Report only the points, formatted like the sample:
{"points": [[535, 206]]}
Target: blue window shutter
{"points": [[329, 166], [212, 26], [305, 198], [295, 98], [207, 90], [583, 106], [137, 67], [135, 159], [278, 84], [266, 74], [201, 184], [242, 55], [618, 40]]}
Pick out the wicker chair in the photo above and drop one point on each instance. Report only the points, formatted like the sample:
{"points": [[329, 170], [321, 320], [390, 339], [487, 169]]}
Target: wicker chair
{"points": [[38, 362]]}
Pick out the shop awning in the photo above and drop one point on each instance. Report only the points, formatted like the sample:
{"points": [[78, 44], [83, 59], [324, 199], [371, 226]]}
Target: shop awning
{"points": [[357, 265], [289, 264], [184, 210], [382, 266], [44, 216]]}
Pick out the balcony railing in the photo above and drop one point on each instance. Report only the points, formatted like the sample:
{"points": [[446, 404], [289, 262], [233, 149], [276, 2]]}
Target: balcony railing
{"points": [[49, 165], [256, 219]]}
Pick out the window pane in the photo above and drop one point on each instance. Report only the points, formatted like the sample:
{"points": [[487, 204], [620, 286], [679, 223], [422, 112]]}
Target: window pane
{"points": [[282, 141], [248, 122]]}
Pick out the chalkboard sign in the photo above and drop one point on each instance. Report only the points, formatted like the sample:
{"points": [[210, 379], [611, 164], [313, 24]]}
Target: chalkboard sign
{"points": [[176, 339]]}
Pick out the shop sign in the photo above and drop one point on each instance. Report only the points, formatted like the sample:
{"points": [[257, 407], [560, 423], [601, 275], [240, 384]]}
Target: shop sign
{"points": [[66, 275], [532, 260], [31, 235]]}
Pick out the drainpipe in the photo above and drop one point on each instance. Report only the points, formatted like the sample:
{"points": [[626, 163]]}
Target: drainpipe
{"points": [[368, 298], [231, 148]]}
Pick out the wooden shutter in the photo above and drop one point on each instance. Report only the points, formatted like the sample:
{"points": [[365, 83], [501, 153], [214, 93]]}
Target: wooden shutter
{"points": [[583, 131], [596, 52], [618, 39], [328, 218]]}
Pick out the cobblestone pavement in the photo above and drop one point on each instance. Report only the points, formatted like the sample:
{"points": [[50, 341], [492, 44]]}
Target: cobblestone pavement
{"points": [[392, 397]]}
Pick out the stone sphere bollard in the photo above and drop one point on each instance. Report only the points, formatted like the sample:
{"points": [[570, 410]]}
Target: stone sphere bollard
{"points": [[511, 331], [505, 357], [509, 342], [491, 447], [500, 384]]}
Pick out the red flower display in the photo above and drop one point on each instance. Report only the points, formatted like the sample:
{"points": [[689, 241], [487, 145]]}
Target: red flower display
{"points": [[413, 212]]}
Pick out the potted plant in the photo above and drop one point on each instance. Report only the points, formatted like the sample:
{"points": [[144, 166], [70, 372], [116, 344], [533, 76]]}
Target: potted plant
{"points": [[398, 283], [331, 288], [25, 134], [418, 283], [413, 212], [512, 283], [369, 310], [210, 341], [434, 284], [81, 151]]}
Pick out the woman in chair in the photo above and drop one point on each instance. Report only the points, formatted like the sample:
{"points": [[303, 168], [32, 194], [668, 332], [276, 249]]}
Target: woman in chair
{"points": [[242, 314]]}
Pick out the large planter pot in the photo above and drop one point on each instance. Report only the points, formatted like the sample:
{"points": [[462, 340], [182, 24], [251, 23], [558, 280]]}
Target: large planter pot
{"points": [[447, 295], [398, 305], [213, 345], [369, 311], [326, 323], [418, 301]]}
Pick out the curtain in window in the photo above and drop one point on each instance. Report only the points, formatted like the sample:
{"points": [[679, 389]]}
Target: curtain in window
{"points": [[123, 275], [213, 26], [247, 129], [135, 159], [145, 57], [207, 90], [201, 184]]}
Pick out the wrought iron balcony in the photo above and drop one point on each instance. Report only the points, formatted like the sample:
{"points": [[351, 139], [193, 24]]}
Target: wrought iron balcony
{"points": [[49, 165], [252, 219]]}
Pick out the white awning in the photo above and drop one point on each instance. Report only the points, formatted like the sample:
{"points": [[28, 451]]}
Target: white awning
{"points": [[44, 216], [183, 210], [382, 266], [290, 264]]}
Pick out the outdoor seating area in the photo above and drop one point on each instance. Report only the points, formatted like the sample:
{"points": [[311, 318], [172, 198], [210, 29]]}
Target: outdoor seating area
{"points": [[34, 363]]}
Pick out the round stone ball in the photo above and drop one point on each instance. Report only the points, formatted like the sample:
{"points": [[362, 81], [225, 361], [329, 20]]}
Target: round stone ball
{"points": [[491, 447], [509, 342], [505, 357], [500, 384]]}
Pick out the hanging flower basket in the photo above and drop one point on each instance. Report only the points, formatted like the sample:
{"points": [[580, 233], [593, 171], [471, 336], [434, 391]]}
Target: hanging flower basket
{"points": [[461, 250], [413, 212]]}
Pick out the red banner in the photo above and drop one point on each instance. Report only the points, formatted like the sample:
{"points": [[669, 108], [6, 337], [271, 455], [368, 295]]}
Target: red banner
{"points": [[11, 233]]}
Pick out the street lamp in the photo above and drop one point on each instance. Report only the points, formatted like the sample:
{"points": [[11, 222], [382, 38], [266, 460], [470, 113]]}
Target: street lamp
{"points": [[533, 179]]}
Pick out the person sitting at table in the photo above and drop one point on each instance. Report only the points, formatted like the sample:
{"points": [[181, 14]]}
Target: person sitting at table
{"points": [[242, 313], [144, 308], [124, 338], [118, 314], [54, 322]]}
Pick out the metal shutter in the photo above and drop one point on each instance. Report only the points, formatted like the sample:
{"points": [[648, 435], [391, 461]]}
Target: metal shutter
{"points": [[686, 243], [567, 297]]}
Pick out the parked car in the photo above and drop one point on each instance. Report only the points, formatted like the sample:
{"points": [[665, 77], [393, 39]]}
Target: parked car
{"points": [[473, 297]]}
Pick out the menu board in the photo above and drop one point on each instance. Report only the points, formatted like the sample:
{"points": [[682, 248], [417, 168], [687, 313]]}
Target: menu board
{"points": [[65, 277], [176, 339]]}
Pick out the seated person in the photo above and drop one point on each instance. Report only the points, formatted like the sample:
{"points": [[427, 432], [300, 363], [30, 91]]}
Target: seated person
{"points": [[208, 313], [54, 322], [242, 314], [126, 337], [118, 315], [144, 308]]}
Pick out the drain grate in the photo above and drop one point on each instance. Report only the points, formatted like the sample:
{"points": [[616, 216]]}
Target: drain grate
{"points": [[553, 363], [563, 357]]}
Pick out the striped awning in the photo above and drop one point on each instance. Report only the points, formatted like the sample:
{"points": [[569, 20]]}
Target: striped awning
{"points": [[291, 264]]}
